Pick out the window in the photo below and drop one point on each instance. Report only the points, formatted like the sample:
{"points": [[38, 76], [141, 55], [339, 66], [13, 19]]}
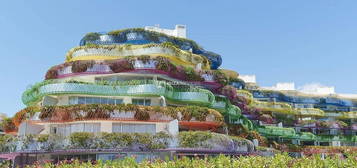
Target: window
{"points": [[134, 128], [81, 100], [144, 102], [92, 127], [68, 129], [94, 100], [49, 101]]}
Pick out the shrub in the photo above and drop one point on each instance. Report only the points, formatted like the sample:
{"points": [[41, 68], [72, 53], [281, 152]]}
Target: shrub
{"points": [[51, 73], [142, 115], [81, 66], [103, 111], [192, 75], [42, 138], [80, 139], [92, 36], [120, 65], [117, 140], [8, 125], [220, 77], [7, 143], [191, 139]]}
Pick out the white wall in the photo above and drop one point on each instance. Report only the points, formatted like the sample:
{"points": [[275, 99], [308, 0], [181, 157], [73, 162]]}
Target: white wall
{"points": [[282, 86], [248, 78], [179, 31], [316, 88]]}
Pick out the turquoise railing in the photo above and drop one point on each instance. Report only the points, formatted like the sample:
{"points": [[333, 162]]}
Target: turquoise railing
{"points": [[153, 89], [290, 133]]}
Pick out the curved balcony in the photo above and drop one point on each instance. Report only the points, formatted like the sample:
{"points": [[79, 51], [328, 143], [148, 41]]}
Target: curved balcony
{"points": [[285, 108], [302, 98], [348, 115], [289, 133], [136, 66], [140, 36], [116, 51], [310, 112], [155, 88], [307, 136], [121, 112], [278, 107], [277, 131], [245, 94]]}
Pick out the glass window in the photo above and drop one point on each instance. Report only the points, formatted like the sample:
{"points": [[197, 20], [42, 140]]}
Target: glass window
{"points": [[111, 101], [147, 102], [137, 101], [77, 128], [135, 128], [144, 102], [81, 100], [73, 100], [119, 101], [103, 101], [92, 127], [96, 100], [89, 100], [128, 128], [116, 127]]}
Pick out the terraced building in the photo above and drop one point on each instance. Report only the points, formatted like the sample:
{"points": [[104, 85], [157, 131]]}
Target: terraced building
{"points": [[133, 91], [315, 117], [151, 92]]}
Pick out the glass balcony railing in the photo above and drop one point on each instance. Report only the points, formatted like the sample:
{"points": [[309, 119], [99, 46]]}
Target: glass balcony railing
{"points": [[349, 115], [276, 131], [245, 94], [151, 89], [120, 51], [310, 112]]}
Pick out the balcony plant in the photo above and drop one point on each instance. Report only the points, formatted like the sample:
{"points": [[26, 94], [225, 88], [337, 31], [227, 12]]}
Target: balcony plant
{"points": [[81, 66], [8, 125], [102, 111]]}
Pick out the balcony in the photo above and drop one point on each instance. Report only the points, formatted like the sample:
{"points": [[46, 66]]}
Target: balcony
{"points": [[150, 64], [277, 131], [144, 88], [310, 112], [119, 51], [245, 94], [121, 112], [349, 115]]}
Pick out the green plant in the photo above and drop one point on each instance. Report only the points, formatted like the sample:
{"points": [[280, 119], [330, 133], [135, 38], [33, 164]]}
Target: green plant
{"points": [[92, 36], [144, 58], [280, 160], [102, 111], [51, 73], [191, 75], [80, 139], [7, 143], [191, 139], [142, 115], [117, 140], [121, 65], [42, 138], [220, 77], [81, 66], [8, 125]]}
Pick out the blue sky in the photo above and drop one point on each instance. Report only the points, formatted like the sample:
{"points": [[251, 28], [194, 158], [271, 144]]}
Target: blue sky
{"points": [[278, 40]]}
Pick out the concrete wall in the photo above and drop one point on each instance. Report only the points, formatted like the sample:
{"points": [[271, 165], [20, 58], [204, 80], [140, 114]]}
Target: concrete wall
{"points": [[179, 31]]}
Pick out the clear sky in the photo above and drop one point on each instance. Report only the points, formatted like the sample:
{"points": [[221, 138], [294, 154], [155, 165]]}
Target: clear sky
{"points": [[302, 41]]}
